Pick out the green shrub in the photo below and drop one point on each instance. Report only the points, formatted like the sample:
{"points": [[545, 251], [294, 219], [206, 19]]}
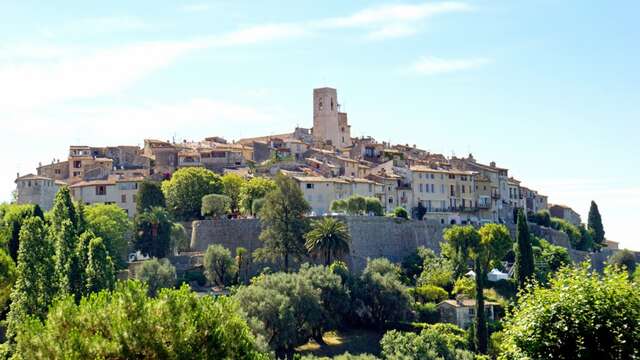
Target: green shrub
{"points": [[215, 205], [430, 293], [427, 313]]}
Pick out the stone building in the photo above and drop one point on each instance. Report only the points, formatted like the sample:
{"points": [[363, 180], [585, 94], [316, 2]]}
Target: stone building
{"points": [[330, 126], [566, 213], [461, 312], [35, 189], [163, 156], [116, 190]]}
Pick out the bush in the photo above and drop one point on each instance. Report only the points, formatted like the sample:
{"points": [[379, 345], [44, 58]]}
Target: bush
{"points": [[400, 212], [427, 313], [580, 315], [215, 205], [465, 286], [624, 259], [432, 343], [339, 206], [185, 190], [430, 293], [356, 205], [127, 324], [374, 206], [157, 274], [219, 266], [256, 205]]}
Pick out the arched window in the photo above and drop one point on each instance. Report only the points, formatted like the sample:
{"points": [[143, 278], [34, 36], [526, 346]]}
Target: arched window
{"points": [[320, 104], [331, 104]]}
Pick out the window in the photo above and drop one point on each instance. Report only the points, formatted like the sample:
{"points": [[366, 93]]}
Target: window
{"points": [[453, 190], [442, 188], [452, 176], [390, 200], [463, 189], [420, 187], [432, 188], [101, 190], [309, 186], [77, 164], [433, 176], [123, 198], [57, 171], [370, 187], [76, 173]]}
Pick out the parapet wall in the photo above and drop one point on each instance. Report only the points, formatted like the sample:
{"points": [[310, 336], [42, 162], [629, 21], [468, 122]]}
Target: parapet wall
{"points": [[371, 237]]}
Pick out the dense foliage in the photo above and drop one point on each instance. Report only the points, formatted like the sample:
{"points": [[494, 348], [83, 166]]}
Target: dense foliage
{"points": [[581, 315], [112, 224], [215, 206], [149, 196], [232, 186], [594, 223], [252, 190], [157, 274], [219, 267], [153, 232], [284, 223], [437, 342], [177, 324], [185, 189]]}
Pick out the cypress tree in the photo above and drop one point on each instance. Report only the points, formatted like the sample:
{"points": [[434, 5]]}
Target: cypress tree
{"points": [[79, 265], [63, 209], [37, 211], [482, 334], [595, 224], [33, 291], [65, 251], [524, 253], [81, 225], [100, 269], [149, 196]]}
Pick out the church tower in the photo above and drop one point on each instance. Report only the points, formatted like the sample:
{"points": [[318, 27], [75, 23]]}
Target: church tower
{"points": [[330, 126]]}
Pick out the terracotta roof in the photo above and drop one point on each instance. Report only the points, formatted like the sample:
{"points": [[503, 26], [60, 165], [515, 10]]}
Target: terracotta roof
{"points": [[422, 168], [466, 303], [319, 179], [32, 177]]}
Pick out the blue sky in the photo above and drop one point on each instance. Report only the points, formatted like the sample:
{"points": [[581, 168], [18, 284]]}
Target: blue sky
{"points": [[548, 89]]}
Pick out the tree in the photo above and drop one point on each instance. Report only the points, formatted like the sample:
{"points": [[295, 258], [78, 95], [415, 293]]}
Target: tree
{"points": [[153, 233], [256, 206], [184, 191], [256, 188], [64, 244], [33, 291], [339, 206], [110, 223], [219, 267], [436, 270], [525, 268], [63, 209], [176, 324], [552, 258], [484, 246], [13, 218], [285, 308], [79, 265], [374, 206], [400, 212], [149, 196], [7, 279], [100, 273], [624, 259], [243, 261], [381, 296], [284, 222], [595, 223], [328, 237], [457, 242], [580, 315], [231, 187], [437, 342], [157, 274], [356, 205], [179, 238], [421, 211], [215, 205]]}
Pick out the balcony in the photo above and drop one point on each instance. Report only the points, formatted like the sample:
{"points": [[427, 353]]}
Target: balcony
{"points": [[495, 195], [484, 206]]}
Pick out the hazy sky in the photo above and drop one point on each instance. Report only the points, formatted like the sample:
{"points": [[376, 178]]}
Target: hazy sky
{"points": [[548, 89]]}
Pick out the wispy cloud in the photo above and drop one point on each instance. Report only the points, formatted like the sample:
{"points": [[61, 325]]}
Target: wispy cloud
{"points": [[30, 77], [197, 7], [392, 21], [434, 65]]}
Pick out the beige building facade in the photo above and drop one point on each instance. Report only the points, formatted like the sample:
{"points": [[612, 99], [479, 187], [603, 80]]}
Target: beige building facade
{"points": [[330, 126]]}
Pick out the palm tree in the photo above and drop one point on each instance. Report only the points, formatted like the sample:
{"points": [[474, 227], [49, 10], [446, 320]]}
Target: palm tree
{"points": [[328, 237]]}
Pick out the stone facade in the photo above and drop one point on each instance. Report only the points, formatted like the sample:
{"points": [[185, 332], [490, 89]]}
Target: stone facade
{"points": [[330, 126]]}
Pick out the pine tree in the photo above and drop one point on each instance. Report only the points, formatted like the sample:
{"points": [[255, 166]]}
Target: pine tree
{"points": [[37, 211], [32, 293], [79, 266], [65, 240], [524, 252], [595, 224], [63, 209], [100, 272]]}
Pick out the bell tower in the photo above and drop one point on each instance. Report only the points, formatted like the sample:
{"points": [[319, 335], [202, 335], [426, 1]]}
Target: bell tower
{"points": [[329, 124]]}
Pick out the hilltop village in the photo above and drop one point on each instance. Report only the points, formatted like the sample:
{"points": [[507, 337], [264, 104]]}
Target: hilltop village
{"points": [[325, 161]]}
